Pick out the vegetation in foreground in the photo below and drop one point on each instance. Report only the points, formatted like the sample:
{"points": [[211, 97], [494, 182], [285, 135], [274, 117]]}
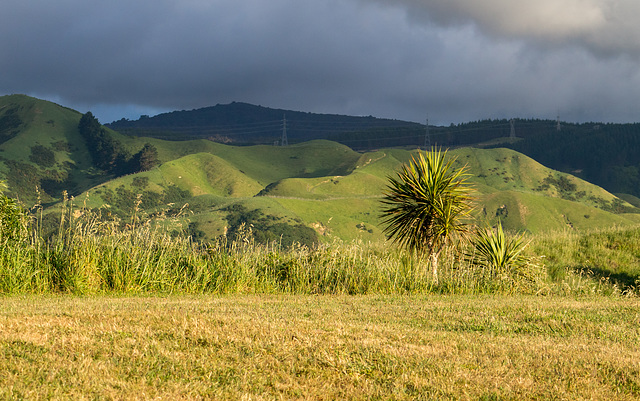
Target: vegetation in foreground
{"points": [[320, 347], [425, 211], [393, 339], [91, 255], [427, 205]]}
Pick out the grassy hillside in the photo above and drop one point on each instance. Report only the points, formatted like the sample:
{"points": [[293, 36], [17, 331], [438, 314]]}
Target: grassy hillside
{"points": [[40, 146], [320, 185], [605, 154], [510, 187], [525, 195]]}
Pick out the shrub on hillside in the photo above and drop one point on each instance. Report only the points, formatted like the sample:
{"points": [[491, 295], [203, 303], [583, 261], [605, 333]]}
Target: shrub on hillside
{"points": [[10, 123], [42, 156], [267, 229]]}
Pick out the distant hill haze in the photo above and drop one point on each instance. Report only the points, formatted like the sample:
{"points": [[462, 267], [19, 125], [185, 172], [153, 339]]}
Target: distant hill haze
{"points": [[308, 191]]}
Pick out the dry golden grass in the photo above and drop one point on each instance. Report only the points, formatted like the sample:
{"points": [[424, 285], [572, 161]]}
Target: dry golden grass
{"points": [[319, 347]]}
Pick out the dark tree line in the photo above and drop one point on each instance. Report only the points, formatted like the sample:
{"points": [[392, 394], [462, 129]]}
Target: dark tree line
{"points": [[109, 154], [605, 154]]}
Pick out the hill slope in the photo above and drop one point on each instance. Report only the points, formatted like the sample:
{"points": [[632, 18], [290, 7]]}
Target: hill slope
{"points": [[605, 154], [318, 190], [510, 187], [41, 147], [42, 152]]}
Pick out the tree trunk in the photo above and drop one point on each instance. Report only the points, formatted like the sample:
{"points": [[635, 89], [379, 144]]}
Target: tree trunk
{"points": [[434, 265]]}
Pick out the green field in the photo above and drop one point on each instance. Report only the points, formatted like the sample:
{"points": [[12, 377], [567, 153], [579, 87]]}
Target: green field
{"points": [[320, 347]]}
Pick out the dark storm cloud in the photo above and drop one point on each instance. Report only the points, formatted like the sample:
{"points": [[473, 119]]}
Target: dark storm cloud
{"points": [[451, 60], [608, 27], [194, 53]]}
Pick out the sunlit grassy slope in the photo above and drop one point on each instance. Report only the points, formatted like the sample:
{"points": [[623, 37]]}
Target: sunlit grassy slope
{"points": [[268, 164], [27, 125], [342, 199], [26, 122], [323, 184]]}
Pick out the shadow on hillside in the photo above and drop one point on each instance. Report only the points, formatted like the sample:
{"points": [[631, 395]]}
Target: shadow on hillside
{"points": [[622, 280]]}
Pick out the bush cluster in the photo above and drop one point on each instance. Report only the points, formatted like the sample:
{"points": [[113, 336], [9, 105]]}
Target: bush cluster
{"points": [[109, 154], [268, 228], [42, 156]]}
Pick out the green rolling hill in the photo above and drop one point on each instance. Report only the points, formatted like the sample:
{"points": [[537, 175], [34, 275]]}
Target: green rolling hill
{"points": [[312, 191]]}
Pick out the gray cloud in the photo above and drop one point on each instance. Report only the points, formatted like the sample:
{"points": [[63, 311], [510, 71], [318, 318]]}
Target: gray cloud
{"points": [[451, 60], [609, 27]]}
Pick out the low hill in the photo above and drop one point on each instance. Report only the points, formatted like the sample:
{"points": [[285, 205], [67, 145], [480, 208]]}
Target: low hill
{"points": [[40, 147], [42, 152], [510, 187]]}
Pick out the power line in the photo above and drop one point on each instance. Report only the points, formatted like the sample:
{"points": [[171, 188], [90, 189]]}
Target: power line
{"points": [[349, 131]]}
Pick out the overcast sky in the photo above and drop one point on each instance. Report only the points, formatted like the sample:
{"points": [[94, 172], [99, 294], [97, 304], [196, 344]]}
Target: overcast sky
{"points": [[448, 60]]}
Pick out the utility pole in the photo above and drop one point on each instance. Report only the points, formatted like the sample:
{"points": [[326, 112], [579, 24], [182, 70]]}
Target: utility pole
{"points": [[285, 141], [427, 137], [513, 129]]}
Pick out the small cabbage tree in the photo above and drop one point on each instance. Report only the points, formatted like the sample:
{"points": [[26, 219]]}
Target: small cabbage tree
{"points": [[496, 252], [503, 258], [427, 204]]}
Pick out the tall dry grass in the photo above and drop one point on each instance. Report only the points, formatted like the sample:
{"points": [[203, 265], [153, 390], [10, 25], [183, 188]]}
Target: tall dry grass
{"points": [[91, 254]]}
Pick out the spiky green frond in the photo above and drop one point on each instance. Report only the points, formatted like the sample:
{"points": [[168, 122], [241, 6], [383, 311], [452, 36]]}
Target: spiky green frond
{"points": [[493, 250], [426, 204]]}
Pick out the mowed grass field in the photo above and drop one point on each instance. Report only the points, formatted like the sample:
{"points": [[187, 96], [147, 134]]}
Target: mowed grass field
{"points": [[263, 347]]}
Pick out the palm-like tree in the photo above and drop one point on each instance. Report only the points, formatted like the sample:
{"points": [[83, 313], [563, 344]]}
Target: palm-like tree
{"points": [[427, 204]]}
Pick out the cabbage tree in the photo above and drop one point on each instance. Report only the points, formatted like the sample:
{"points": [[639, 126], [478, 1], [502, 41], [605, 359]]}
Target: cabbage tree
{"points": [[427, 204]]}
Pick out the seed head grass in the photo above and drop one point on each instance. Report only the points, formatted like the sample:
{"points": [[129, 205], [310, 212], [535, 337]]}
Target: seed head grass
{"points": [[94, 252]]}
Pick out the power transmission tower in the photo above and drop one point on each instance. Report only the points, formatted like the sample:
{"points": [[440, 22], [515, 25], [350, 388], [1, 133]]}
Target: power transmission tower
{"points": [[513, 129], [558, 126], [285, 141], [427, 137]]}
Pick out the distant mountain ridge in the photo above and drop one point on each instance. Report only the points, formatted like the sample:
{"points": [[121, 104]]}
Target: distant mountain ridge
{"points": [[242, 123], [247, 124]]}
